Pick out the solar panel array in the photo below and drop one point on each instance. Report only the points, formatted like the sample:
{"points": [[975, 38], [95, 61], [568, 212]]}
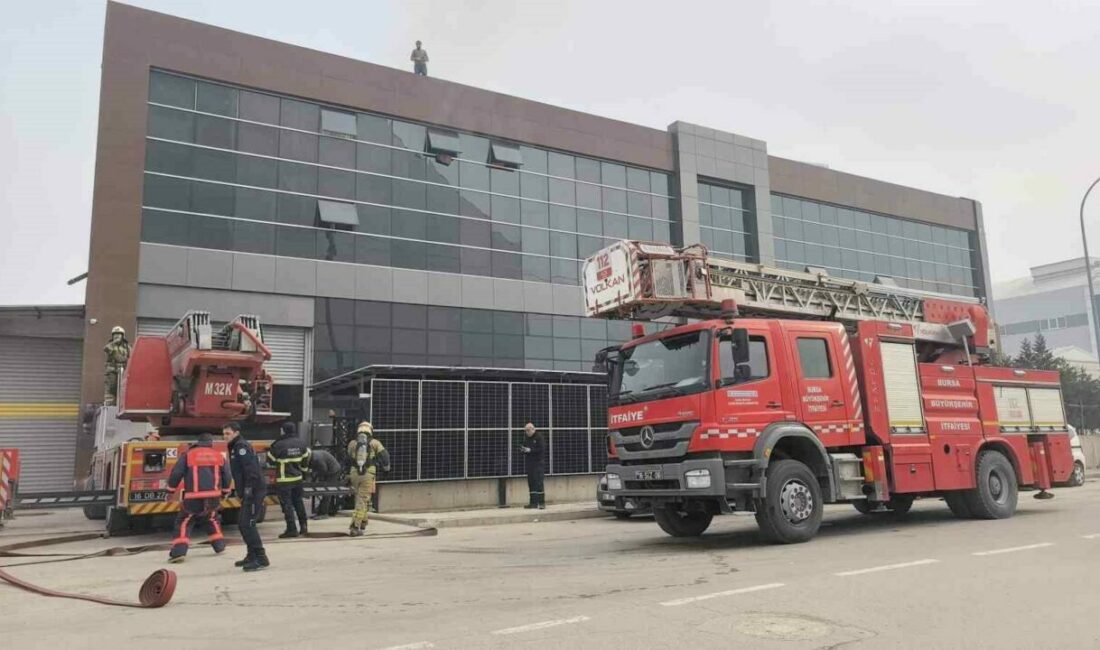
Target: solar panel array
{"points": [[438, 430]]}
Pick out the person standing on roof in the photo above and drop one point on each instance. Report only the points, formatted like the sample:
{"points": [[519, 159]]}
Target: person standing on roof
{"points": [[117, 352], [365, 455], [533, 449], [251, 488], [204, 475], [290, 457], [419, 58]]}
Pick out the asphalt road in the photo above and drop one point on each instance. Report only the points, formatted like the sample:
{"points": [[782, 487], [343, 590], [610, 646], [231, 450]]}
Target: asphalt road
{"points": [[919, 581]]}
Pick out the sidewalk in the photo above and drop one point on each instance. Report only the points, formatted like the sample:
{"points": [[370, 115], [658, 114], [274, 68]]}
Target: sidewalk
{"points": [[493, 516]]}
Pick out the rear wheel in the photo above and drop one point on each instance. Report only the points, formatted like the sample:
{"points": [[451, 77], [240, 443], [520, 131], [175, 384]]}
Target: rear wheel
{"points": [[95, 513], [864, 506], [118, 522], [996, 492], [1077, 478], [678, 523], [956, 501], [792, 508], [899, 504]]}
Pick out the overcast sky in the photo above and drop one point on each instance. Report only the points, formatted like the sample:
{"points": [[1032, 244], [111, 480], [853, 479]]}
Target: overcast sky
{"points": [[995, 100]]}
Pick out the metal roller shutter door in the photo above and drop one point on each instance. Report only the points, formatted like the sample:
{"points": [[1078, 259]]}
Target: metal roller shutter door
{"points": [[40, 408], [903, 396], [288, 348]]}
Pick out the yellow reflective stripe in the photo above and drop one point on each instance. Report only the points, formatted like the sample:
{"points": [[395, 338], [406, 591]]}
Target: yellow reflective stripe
{"points": [[39, 410]]}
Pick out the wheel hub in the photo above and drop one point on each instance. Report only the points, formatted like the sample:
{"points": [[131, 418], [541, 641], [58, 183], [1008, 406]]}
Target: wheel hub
{"points": [[996, 487], [796, 501]]}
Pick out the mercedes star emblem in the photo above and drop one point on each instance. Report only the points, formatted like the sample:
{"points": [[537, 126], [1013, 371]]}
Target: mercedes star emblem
{"points": [[647, 437]]}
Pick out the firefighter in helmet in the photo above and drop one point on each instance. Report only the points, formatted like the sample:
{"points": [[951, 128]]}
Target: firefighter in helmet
{"points": [[117, 351], [365, 455]]}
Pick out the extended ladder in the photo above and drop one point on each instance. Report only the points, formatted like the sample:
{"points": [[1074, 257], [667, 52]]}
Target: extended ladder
{"points": [[641, 280]]}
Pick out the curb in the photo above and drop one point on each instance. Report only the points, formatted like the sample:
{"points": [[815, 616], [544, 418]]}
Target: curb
{"points": [[489, 520]]}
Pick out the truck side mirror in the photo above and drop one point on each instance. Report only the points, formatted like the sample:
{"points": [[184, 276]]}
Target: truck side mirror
{"points": [[600, 365], [740, 345]]}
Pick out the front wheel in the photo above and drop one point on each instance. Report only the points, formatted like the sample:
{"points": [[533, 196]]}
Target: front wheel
{"points": [[792, 509], [118, 522], [996, 492], [956, 502], [95, 512], [1077, 478], [678, 523]]}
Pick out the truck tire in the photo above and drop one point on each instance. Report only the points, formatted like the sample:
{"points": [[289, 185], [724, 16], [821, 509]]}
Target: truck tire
{"points": [[1077, 477], [899, 504], [996, 492], [864, 506], [678, 523], [118, 522], [956, 501], [95, 513], [792, 509]]}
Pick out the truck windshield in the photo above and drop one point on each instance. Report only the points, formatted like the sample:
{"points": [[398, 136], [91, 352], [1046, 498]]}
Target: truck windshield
{"points": [[673, 365]]}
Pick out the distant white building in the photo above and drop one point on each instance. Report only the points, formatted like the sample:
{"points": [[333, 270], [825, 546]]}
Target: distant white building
{"points": [[1082, 359], [1052, 301]]}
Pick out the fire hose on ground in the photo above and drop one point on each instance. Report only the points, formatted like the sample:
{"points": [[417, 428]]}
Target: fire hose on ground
{"points": [[156, 590]]}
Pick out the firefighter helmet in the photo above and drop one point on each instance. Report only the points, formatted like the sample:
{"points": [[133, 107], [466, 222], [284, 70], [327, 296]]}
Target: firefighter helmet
{"points": [[365, 427], [117, 329]]}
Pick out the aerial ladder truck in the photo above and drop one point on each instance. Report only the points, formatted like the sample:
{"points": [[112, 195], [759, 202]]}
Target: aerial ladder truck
{"points": [[781, 391]]}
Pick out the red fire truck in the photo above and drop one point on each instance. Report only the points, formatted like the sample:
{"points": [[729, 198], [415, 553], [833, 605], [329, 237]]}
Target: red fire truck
{"points": [[797, 389], [193, 380]]}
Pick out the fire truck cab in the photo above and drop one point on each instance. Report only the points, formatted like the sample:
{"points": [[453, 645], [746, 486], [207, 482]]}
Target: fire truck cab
{"points": [[778, 416]]}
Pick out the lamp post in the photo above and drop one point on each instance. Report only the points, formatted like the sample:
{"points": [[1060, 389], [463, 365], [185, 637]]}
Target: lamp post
{"points": [[1088, 273]]}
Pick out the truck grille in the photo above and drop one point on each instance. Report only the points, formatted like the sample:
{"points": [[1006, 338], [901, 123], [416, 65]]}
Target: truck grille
{"points": [[666, 484], [670, 440]]}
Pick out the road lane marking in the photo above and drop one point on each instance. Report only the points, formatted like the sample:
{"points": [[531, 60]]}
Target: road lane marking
{"points": [[541, 626], [720, 594], [885, 567], [411, 646], [1014, 549], [1092, 536]]}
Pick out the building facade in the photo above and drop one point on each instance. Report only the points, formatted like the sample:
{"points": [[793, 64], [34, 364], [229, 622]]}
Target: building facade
{"points": [[1053, 301], [373, 217]]}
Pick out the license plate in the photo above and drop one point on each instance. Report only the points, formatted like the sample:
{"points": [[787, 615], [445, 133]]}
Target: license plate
{"points": [[145, 496], [648, 475]]}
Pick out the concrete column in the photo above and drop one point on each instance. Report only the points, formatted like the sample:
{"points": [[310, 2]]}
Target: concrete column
{"points": [[727, 158]]}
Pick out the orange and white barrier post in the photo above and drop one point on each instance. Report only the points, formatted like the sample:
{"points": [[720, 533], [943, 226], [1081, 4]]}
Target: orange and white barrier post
{"points": [[9, 477]]}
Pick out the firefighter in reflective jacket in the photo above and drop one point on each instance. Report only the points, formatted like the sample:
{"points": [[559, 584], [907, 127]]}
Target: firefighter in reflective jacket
{"points": [[290, 457], [204, 474], [365, 455]]}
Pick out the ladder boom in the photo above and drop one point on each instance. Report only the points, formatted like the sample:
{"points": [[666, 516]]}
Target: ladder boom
{"points": [[646, 281]]}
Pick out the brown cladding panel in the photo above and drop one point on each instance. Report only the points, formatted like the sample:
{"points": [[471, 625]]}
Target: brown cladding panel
{"points": [[819, 184]]}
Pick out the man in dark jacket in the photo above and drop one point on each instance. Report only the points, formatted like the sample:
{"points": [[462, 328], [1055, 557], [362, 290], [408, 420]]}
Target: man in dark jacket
{"points": [[204, 475], [290, 457], [323, 468], [533, 449], [251, 488]]}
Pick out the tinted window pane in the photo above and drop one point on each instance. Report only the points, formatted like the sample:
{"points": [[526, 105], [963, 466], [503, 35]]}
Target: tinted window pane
{"points": [[409, 136], [336, 246], [588, 170], [474, 233], [167, 192], [374, 219], [536, 269], [336, 183], [474, 204], [254, 237], [374, 189], [507, 265], [445, 259], [473, 175], [406, 223], [373, 128], [476, 262], [258, 172], [255, 204], [612, 174], [212, 198], [298, 146], [504, 181], [535, 214], [533, 186], [409, 194], [536, 241], [564, 272], [168, 158], [163, 227], [215, 165], [255, 138], [300, 115], [506, 237], [442, 199], [588, 196], [297, 177], [443, 229], [408, 255], [373, 159], [210, 232], [301, 210], [295, 242], [171, 90], [560, 164], [171, 124], [258, 107], [337, 152], [372, 250], [213, 98], [505, 209], [407, 164]]}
